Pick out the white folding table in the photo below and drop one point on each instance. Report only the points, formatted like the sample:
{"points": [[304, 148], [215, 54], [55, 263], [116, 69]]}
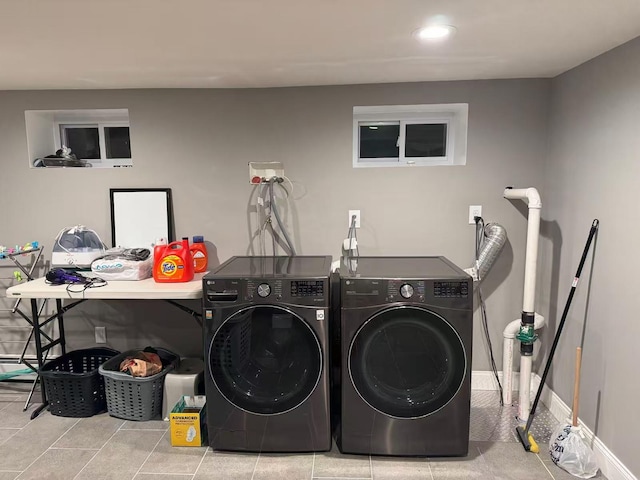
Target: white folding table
{"points": [[114, 290]]}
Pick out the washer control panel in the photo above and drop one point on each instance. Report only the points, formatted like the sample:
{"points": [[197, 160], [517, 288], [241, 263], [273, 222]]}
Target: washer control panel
{"points": [[307, 288], [270, 290], [361, 292], [450, 289]]}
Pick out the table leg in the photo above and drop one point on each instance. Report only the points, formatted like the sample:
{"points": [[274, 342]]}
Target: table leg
{"points": [[36, 332], [63, 343]]}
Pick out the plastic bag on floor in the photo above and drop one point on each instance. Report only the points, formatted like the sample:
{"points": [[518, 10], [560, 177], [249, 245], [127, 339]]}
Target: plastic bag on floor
{"points": [[570, 452]]}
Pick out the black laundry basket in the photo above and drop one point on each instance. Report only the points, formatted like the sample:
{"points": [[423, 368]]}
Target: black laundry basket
{"points": [[73, 385], [136, 398]]}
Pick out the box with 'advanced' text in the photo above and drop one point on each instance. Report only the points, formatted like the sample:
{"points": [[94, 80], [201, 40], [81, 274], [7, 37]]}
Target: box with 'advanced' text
{"points": [[188, 422]]}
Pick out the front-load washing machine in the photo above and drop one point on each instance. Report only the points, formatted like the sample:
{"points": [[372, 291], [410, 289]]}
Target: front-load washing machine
{"points": [[406, 337], [266, 335]]}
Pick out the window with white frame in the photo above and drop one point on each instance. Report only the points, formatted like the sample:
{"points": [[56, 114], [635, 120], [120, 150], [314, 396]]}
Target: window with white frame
{"points": [[97, 141], [408, 135], [98, 138]]}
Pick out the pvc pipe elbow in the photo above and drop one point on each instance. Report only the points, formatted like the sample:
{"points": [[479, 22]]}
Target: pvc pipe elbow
{"points": [[529, 195], [513, 328]]}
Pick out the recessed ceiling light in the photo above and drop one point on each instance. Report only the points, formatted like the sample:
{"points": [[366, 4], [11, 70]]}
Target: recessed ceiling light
{"points": [[434, 32]]}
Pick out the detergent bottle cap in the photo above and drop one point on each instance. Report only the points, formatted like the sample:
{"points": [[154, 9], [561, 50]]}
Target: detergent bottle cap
{"points": [[198, 239]]}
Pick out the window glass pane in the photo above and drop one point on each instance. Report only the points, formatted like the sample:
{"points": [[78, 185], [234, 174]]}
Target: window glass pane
{"points": [[426, 140], [379, 141], [117, 142], [84, 142]]}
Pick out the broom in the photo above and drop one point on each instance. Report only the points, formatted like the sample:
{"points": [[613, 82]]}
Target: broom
{"points": [[525, 437]]}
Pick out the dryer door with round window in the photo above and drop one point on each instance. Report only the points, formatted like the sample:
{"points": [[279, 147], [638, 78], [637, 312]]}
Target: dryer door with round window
{"points": [[265, 360], [407, 362]]}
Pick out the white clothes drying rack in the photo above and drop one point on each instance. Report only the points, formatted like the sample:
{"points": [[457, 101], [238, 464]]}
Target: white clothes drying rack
{"points": [[29, 360]]}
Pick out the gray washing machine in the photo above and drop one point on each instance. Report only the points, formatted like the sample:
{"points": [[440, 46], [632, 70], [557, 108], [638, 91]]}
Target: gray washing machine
{"points": [[266, 342], [406, 338]]}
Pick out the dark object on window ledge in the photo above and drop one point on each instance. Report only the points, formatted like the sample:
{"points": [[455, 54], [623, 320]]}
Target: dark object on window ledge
{"points": [[53, 161], [62, 158]]}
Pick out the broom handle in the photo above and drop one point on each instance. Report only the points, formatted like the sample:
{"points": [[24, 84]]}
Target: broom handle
{"points": [[565, 312], [576, 387]]}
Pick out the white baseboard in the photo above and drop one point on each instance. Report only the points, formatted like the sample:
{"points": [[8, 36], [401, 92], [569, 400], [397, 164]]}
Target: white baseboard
{"points": [[609, 464], [486, 381]]}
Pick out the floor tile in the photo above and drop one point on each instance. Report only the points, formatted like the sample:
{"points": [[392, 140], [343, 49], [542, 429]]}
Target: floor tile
{"points": [[91, 432], [509, 461], [6, 433], [33, 440], [6, 400], [160, 476], [9, 475], [58, 464], [336, 464], [393, 468], [559, 474], [168, 459], [15, 388], [19, 391], [484, 422], [227, 466], [473, 466], [148, 425], [122, 456], [143, 448], [281, 466], [14, 417]]}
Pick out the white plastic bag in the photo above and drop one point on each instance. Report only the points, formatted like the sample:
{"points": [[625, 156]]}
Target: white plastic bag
{"points": [[120, 265], [569, 451]]}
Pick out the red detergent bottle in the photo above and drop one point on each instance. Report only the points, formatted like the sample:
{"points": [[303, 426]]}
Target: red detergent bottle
{"points": [[173, 262], [199, 253]]}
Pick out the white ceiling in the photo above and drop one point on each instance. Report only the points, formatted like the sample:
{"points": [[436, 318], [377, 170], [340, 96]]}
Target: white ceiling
{"points": [[265, 43]]}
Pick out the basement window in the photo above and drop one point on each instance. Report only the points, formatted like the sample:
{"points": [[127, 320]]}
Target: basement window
{"points": [[409, 135], [97, 138], [97, 141]]}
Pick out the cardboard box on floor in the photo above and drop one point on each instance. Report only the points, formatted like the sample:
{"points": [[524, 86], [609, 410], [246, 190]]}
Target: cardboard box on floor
{"points": [[188, 422]]}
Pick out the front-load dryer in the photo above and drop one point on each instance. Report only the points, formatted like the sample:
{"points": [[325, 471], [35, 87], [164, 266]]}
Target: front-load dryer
{"points": [[266, 335], [406, 337]]}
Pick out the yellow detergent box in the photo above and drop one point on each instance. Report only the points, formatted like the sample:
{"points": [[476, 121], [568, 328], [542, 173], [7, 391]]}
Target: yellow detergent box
{"points": [[188, 422]]}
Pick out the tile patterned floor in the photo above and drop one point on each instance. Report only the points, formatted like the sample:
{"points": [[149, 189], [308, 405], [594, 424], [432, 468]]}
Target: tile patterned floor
{"points": [[103, 447]]}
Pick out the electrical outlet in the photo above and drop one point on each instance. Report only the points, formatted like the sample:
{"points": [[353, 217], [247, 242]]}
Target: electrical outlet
{"points": [[101, 334], [474, 211], [357, 214]]}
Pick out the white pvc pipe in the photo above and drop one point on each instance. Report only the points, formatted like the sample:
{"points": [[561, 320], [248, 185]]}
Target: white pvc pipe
{"points": [[525, 387], [532, 198], [531, 260], [507, 368]]}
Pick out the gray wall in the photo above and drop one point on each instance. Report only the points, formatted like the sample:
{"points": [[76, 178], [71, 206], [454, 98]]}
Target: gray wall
{"points": [[198, 142], [593, 172]]}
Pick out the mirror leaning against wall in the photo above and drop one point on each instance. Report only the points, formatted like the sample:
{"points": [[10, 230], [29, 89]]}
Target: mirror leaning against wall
{"points": [[78, 138]]}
